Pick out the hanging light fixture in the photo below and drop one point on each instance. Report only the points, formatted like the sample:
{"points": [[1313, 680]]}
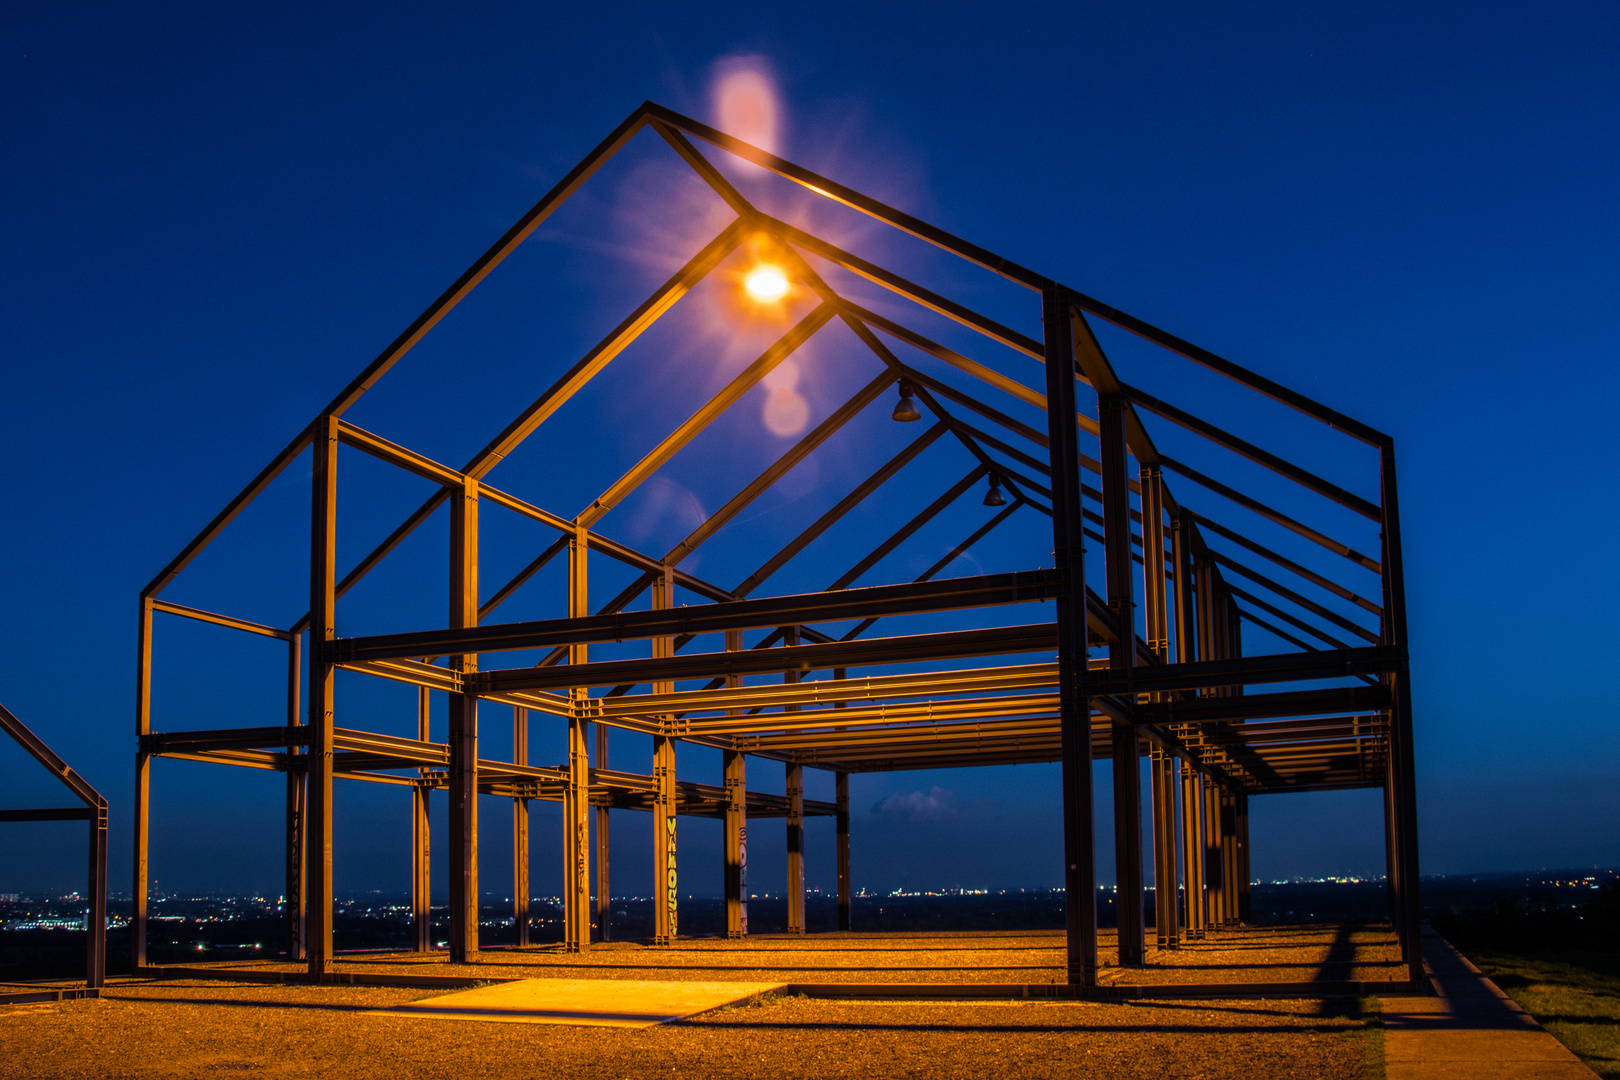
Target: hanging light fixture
{"points": [[994, 497], [905, 410]]}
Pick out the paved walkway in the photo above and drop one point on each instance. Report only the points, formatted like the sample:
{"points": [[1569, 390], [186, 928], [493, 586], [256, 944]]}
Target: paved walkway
{"points": [[1469, 1031]]}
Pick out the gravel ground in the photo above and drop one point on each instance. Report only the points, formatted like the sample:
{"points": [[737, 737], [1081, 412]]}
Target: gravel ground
{"points": [[198, 1029], [1272, 954]]}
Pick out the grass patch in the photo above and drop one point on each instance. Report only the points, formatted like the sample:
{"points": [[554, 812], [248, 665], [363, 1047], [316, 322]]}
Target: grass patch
{"points": [[1575, 996]]}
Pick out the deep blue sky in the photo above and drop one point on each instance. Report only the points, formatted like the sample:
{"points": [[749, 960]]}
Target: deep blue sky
{"points": [[211, 218]]}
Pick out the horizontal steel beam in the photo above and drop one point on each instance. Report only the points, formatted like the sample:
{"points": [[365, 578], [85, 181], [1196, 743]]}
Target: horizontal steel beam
{"points": [[948, 594], [1039, 637]]}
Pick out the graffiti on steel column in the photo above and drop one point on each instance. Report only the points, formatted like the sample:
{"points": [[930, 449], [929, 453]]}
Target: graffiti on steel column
{"points": [[742, 875], [670, 880]]}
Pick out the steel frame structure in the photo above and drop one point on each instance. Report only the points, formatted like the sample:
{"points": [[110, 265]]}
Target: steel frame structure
{"points": [[94, 811], [1170, 679]]}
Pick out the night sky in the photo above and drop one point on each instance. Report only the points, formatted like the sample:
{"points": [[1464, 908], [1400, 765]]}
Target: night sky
{"points": [[213, 217]]}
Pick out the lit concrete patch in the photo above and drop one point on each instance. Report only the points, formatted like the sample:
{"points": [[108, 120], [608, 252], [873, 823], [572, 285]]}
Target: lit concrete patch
{"points": [[594, 1002]]}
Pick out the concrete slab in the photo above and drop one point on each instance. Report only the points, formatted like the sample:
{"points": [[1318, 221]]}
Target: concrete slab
{"points": [[1469, 1030], [591, 1002]]}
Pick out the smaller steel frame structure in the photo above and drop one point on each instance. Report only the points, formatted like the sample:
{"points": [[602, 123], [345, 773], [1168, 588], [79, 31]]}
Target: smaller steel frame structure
{"points": [[1171, 681], [93, 811]]}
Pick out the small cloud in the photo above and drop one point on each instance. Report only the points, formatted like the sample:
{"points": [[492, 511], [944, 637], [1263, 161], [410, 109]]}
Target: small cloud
{"points": [[935, 804]]}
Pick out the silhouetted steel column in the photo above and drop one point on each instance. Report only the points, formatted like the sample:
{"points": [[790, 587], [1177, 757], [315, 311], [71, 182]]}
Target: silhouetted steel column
{"points": [[736, 823], [421, 838], [666, 920], [604, 889], [1192, 846], [322, 630], [576, 791], [140, 885], [1245, 874], [95, 917], [736, 767], [1079, 855], [1229, 857], [1402, 773], [1156, 616], [795, 816], [841, 780], [1127, 755], [520, 830], [1186, 651], [795, 848], [297, 806], [464, 731]]}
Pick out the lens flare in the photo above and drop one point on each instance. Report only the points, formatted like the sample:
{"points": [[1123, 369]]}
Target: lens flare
{"points": [[766, 284], [745, 101]]}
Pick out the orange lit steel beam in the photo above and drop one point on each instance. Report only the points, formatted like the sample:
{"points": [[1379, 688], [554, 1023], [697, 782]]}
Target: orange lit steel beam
{"points": [[828, 691], [559, 393], [996, 641], [1013, 272], [955, 359], [592, 362], [1275, 516], [949, 713], [1243, 448], [220, 620], [984, 590], [849, 197], [934, 302], [843, 506], [799, 451], [514, 236], [698, 421]]}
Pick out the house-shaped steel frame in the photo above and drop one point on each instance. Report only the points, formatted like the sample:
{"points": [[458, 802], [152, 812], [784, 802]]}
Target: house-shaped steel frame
{"points": [[1171, 679]]}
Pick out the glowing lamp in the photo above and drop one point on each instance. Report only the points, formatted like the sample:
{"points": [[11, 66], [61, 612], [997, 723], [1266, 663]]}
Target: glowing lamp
{"points": [[766, 284], [905, 410], [994, 497]]}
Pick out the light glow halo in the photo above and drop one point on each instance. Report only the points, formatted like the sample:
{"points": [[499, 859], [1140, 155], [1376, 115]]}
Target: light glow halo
{"points": [[766, 283]]}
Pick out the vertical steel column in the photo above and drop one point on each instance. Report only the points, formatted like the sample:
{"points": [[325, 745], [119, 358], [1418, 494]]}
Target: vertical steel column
{"points": [[1245, 876], [1156, 613], [604, 891], [520, 830], [841, 781], [421, 838], [795, 816], [1214, 883], [666, 808], [665, 815], [736, 767], [795, 847], [1192, 846], [140, 884], [297, 808], [322, 629], [576, 792], [95, 917], [464, 731], [1402, 775], [1186, 651], [1127, 749], [1079, 854], [1229, 857]]}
